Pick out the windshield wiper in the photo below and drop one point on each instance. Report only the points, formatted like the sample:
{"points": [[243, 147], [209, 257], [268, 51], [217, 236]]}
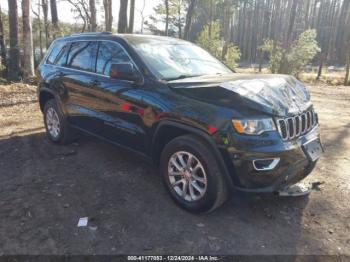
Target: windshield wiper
{"points": [[180, 77]]}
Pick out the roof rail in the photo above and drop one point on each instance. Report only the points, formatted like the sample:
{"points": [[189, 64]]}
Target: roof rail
{"points": [[92, 33]]}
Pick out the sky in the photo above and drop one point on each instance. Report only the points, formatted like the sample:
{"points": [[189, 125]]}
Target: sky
{"points": [[65, 13]]}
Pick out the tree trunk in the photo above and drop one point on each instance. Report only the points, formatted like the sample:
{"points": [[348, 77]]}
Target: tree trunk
{"points": [[14, 68], [242, 30], [283, 69], [2, 46], [320, 39], [346, 79], [166, 17], [93, 22], [314, 16], [123, 17], [227, 15], [45, 7], [28, 55], [189, 19], [38, 16], [142, 16], [341, 29], [255, 30], [306, 16], [261, 56], [108, 15], [333, 29], [291, 21], [275, 25], [131, 16], [347, 52], [319, 72], [84, 25], [54, 18], [248, 37], [210, 18], [179, 19]]}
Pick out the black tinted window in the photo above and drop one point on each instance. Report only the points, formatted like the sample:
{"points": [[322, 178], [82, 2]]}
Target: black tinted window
{"points": [[54, 52], [81, 55], [110, 53]]}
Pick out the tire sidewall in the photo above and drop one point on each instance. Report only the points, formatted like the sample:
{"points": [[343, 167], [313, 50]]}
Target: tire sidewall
{"points": [[208, 200], [52, 104]]}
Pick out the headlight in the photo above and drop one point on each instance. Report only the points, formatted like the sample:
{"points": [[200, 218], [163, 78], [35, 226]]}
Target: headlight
{"points": [[253, 126]]}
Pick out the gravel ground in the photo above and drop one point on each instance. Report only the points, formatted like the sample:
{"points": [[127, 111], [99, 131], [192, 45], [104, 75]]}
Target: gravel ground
{"points": [[46, 188]]}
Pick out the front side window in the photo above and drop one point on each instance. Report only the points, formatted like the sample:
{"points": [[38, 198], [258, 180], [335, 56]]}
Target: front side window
{"points": [[110, 53], [81, 56]]}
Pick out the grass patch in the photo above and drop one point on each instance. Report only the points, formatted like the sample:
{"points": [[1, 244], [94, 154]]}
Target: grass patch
{"points": [[3, 81], [330, 78]]}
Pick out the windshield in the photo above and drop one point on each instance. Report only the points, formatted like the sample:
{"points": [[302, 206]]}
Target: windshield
{"points": [[175, 61]]}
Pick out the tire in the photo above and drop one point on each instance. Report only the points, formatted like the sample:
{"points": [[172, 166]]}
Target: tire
{"points": [[64, 134], [213, 190]]}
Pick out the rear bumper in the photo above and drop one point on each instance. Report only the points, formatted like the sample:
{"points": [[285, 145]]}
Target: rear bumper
{"points": [[293, 165]]}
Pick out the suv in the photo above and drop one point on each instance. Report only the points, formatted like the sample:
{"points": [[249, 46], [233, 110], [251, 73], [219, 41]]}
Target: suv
{"points": [[209, 130]]}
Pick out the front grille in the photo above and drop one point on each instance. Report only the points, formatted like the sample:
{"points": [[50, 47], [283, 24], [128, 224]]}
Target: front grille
{"points": [[295, 126]]}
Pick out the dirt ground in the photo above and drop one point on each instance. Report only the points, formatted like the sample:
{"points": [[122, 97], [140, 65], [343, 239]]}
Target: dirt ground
{"points": [[46, 188]]}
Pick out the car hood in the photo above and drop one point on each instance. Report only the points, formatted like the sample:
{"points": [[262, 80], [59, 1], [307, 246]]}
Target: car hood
{"points": [[279, 95]]}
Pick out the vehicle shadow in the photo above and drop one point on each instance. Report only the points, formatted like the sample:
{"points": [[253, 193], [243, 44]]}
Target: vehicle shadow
{"points": [[46, 188]]}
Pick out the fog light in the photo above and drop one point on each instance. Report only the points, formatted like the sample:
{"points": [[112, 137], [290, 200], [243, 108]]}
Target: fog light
{"points": [[265, 164]]}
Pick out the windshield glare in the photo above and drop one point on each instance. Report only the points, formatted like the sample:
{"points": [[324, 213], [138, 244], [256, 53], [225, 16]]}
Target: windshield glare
{"points": [[175, 61]]}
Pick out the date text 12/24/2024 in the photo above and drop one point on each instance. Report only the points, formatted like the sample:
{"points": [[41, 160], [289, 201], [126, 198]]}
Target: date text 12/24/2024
{"points": [[173, 258]]}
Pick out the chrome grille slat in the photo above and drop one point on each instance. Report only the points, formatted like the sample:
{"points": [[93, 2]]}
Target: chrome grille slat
{"points": [[297, 125], [303, 123], [308, 120], [292, 127], [282, 127]]}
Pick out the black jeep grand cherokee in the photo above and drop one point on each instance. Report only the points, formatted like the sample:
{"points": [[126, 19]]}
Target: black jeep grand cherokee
{"points": [[209, 129]]}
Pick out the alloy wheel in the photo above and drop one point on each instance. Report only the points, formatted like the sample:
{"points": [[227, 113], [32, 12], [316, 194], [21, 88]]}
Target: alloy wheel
{"points": [[53, 122], [187, 176]]}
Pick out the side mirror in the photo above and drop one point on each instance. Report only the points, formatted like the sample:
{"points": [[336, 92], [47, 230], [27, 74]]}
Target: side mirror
{"points": [[123, 71]]}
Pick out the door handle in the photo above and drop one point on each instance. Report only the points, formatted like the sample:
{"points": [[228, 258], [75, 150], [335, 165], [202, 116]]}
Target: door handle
{"points": [[94, 83]]}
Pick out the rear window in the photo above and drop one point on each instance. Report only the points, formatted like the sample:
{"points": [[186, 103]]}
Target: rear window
{"points": [[54, 52]]}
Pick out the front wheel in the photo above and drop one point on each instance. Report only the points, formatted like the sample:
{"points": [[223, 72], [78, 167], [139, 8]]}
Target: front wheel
{"points": [[192, 176]]}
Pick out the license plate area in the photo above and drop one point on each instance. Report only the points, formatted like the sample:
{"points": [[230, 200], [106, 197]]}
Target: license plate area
{"points": [[313, 149]]}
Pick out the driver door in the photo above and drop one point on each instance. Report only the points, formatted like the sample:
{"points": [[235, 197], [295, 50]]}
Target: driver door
{"points": [[119, 102]]}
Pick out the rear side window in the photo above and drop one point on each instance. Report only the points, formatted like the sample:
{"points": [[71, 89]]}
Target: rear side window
{"points": [[110, 53], [82, 55], [62, 56], [54, 52]]}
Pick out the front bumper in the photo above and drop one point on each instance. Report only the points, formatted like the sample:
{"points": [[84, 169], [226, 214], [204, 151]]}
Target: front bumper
{"points": [[293, 164]]}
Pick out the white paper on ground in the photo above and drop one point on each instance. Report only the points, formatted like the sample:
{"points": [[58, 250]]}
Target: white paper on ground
{"points": [[83, 221]]}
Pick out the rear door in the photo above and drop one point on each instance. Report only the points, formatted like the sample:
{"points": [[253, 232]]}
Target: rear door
{"points": [[78, 80], [50, 71]]}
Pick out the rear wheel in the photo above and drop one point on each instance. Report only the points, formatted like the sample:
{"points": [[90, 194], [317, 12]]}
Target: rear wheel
{"points": [[192, 175], [57, 128]]}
